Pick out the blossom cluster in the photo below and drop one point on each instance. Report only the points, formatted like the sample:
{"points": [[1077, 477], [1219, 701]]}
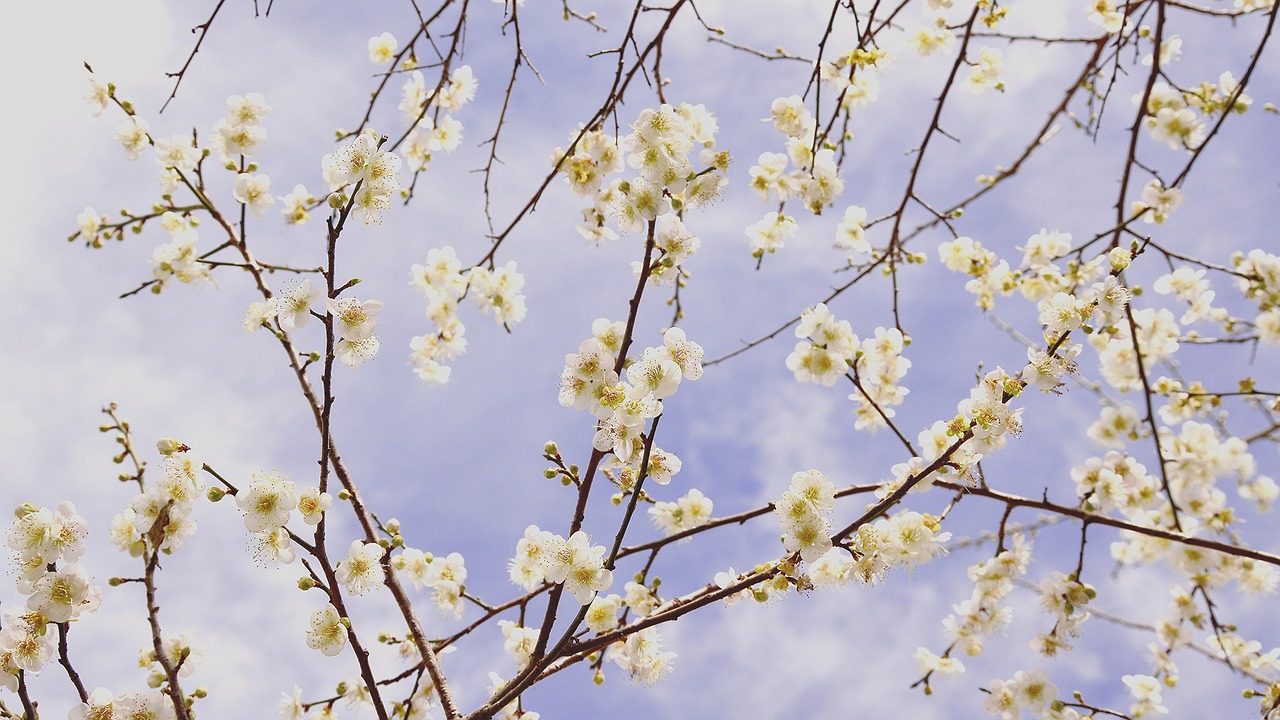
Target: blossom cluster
{"points": [[159, 518], [688, 512], [544, 556], [1028, 690], [1260, 282], [802, 511], [828, 350], [642, 657], [373, 174], [353, 319], [658, 149], [905, 539], [40, 539], [1063, 597], [267, 503], [590, 381], [426, 111], [178, 258], [153, 704], [445, 575], [1171, 114], [239, 132], [984, 614], [441, 279]]}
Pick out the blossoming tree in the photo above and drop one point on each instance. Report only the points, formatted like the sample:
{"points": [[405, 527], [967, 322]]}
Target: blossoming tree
{"points": [[1167, 345]]}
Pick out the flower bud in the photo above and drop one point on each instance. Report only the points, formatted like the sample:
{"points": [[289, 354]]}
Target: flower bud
{"points": [[1120, 258], [167, 445]]}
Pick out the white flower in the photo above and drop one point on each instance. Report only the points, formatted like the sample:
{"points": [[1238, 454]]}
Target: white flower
{"points": [[312, 504], [177, 152], [986, 72], [382, 48], [295, 205], [258, 315], [267, 501], [642, 657], [526, 566], [273, 547], [578, 565], [149, 705], [249, 109], [362, 570], [770, 233], [99, 706], [353, 353], [133, 136], [235, 138], [34, 534], [355, 318], [684, 353], [655, 372], [98, 95], [519, 641], [254, 191], [602, 615], [59, 594], [290, 705], [293, 306], [328, 634]]}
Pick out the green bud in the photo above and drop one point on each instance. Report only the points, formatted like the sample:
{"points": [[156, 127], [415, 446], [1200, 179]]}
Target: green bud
{"points": [[550, 448], [550, 473], [306, 583], [216, 493]]}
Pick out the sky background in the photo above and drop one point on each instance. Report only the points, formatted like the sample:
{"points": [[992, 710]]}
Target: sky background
{"points": [[460, 465]]}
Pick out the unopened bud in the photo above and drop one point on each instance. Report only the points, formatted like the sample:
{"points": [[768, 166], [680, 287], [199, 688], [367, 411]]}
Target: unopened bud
{"points": [[167, 445], [1120, 258]]}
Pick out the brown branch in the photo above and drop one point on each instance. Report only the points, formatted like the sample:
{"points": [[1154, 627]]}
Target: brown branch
{"points": [[204, 30]]}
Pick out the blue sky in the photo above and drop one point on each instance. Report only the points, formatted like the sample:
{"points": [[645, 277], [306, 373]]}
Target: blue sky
{"points": [[459, 465]]}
